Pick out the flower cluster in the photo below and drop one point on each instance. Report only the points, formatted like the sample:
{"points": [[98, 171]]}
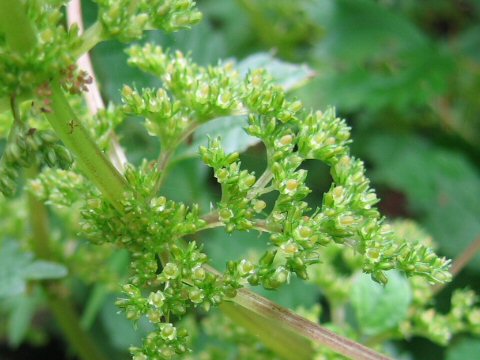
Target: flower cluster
{"points": [[201, 93], [147, 225], [127, 20], [49, 58], [27, 147], [426, 321]]}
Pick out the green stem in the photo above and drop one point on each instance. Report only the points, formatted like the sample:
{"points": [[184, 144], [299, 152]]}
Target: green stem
{"points": [[301, 326], [62, 308], [90, 158], [91, 37], [20, 35], [69, 322], [283, 342], [259, 306]]}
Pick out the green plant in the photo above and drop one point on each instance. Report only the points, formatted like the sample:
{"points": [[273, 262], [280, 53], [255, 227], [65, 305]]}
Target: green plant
{"points": [[116, 214]]}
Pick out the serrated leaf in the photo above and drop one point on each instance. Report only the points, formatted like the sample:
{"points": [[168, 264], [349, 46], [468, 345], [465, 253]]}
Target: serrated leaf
{"points": [[17, 267], [287, 75], [379, 308]]}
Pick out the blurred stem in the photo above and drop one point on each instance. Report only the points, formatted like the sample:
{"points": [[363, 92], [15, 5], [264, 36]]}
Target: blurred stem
{"points": [[262, 182], [212, 221], [62, 308], [337, 313], [164, 160]]}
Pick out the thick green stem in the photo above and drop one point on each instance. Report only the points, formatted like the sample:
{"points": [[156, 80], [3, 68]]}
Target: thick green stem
{"points": [[90, 158], [69, 322]]}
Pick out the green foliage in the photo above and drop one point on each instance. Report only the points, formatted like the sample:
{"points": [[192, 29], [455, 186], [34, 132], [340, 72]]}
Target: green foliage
{"points": [[17, 268]]}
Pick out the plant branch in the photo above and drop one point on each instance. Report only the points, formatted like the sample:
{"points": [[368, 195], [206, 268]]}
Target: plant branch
{"points": [[285, 343], [164, 160], [93, 97], [292, 322], [288, 319]]}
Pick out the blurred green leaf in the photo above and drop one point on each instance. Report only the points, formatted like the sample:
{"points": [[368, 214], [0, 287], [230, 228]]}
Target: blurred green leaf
{"points": [[220, 246], [373, 57], [379, 308], [17, 267], [120, 331], [464, 349], [442, 186], [23, 309], [287, 75], [40, 270], [229, 129]]}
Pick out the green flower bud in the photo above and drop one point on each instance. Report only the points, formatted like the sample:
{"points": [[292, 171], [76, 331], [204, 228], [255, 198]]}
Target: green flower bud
{"points": [[267, 258], [64, 156], [50, 157], [198, 273], [156, 299], [196, 295], [225, 215], [258, 205], [168, 332], [12, 153], [48, 136], [171, 271]]}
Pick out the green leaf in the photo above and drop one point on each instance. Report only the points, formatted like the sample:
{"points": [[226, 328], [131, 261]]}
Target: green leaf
{"points": [[379, 308], [23, 308], [229, 129], [40, 270], [287, 75], [17, 267], [464, 349], [442, 187], [372, 57]]}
